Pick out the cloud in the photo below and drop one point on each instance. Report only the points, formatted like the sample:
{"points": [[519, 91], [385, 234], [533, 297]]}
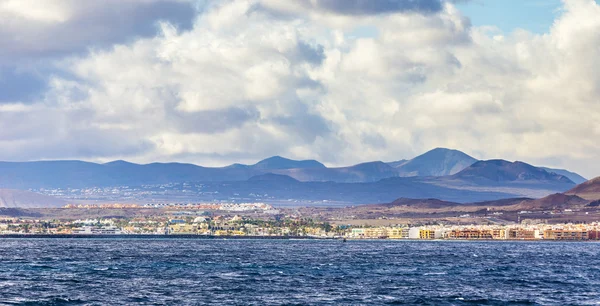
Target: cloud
{"points": [[37, 132], [213, 121], [366, 7], [183, 91], [243, 83], [34, 34], [52, 28]]}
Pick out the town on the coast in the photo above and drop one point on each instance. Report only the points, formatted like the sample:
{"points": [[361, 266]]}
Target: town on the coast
{"points": [[441, 194], [262, 220]]}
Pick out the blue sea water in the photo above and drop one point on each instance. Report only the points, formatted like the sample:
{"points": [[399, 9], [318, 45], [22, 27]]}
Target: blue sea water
{"points": [[119, 271]]}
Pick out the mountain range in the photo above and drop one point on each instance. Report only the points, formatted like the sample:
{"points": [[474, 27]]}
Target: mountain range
{"points": [[448, 175], [78, 174]]}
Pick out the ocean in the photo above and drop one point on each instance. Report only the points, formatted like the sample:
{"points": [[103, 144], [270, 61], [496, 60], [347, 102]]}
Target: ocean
{"points": [[119, 271]]}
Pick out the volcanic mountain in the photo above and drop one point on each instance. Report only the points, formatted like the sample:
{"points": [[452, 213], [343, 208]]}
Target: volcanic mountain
{"points": [[504, 171], [278, 162], [589, 190], [437, 162]]}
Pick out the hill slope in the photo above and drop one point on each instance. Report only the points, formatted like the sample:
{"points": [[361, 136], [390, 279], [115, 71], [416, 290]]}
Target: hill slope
{"points": [[398, 163], [26, 199], [589, 190], [576, 178], [365, 172], [271, 177], [555, 201]]}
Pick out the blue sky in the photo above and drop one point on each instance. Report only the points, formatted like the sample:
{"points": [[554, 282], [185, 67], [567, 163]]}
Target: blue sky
{"points": [[533, 15]]}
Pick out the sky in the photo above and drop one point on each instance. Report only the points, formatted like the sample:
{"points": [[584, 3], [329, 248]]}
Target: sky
{"points": [[341, 81], [535, 16]]}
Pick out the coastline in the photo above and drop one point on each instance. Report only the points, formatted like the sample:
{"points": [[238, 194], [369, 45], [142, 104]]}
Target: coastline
{"points": [[222, 237], [153, 236]]}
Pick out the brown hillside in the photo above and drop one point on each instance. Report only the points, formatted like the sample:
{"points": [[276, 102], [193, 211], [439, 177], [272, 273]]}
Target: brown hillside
{"points": [[589, 190], [554, 201]]}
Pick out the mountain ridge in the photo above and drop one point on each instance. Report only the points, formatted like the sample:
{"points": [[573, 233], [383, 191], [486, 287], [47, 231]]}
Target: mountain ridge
{"points": [[576, 178], [278, 162]]}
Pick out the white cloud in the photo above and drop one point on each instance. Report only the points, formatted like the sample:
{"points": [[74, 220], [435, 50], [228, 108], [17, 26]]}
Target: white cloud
{"points": [[34, 30], [354, 7], [246, 83], [30, 10]]}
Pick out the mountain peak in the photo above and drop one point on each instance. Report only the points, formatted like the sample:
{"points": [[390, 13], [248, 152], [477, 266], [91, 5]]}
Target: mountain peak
{"points": [[441, 150], [278, 162], [119, 162], [436, 162]]}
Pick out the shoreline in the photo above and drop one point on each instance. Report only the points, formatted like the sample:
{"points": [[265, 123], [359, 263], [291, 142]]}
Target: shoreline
{"points": [[156, 236], [213, 237]]}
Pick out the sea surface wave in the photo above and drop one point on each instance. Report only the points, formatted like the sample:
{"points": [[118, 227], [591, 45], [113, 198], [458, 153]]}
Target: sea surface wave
{"points": [[296, 272]]}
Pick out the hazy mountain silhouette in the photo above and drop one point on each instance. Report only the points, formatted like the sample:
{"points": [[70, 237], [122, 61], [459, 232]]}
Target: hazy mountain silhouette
{"points": [[278, 162], [78, 174], [371, 182]]}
